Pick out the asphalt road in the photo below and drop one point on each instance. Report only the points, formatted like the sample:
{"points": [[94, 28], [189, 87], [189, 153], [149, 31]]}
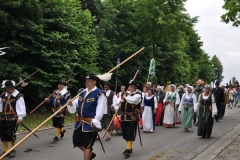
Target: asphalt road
{"points": [[165, 143]]}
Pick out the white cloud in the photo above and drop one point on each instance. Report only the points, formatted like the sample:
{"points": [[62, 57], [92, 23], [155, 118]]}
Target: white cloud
{"points": [[218, 38]]}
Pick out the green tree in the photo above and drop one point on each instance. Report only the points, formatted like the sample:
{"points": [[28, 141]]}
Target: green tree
{"points": [[233, 12], [217, 69]]}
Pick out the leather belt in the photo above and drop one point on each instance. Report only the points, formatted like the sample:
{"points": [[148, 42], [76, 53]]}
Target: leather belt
{"points": [[7, 113]]}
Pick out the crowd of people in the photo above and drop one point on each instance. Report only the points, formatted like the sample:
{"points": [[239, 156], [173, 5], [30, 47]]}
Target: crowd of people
{"points": [[131, 109]]}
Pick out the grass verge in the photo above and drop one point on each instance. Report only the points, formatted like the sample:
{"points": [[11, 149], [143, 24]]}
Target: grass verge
{"points": [[34, 120]]}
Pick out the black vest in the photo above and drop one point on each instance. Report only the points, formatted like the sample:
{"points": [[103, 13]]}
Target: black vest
{"points": [[9, 111], [128, 109]]}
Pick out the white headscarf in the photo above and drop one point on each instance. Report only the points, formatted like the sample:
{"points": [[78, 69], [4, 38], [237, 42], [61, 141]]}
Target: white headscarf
{"points": [[160, 88], [172, 85], [192, 88]]}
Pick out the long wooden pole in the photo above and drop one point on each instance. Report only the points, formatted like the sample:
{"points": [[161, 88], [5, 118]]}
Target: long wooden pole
{"points": [[126, 59], [29, 134], [48, 97]]}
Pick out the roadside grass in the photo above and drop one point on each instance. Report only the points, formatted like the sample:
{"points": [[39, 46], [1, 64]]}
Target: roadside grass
{"points": [[34, 120]]}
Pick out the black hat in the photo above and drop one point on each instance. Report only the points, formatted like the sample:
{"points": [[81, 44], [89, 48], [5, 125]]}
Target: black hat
{"points": [[107, 82], [62, 82], [217, 83], [133, 83], [93, 77], [9, 83]]}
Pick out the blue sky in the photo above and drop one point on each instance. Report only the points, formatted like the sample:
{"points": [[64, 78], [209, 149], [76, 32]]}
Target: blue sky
{"points": [[218, 38]]}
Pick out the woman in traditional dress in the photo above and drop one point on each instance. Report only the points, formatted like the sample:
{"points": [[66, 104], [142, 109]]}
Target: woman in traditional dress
{"points": [[187, 107], [206, 111], [171, 102], [231, 93], [145, 90], [160, 95], [149, 114]]}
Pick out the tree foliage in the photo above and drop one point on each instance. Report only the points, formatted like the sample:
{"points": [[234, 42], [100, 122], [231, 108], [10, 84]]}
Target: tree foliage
{"points": [[217, 69], [60, 38], [233, 12]]}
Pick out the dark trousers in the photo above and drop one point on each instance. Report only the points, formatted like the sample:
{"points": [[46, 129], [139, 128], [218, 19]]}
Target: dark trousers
{"points": [[8, 130], [129, 129], [219, 108]]}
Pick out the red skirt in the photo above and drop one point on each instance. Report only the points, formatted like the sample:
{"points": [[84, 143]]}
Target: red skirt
{"points": [[159, 113]]}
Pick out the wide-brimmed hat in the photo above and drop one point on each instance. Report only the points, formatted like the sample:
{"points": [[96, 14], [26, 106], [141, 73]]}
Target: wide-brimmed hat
{"points": [[132, 82], [8, 83], [61, 81], [217, 83], [107, 82], [93, 76]]}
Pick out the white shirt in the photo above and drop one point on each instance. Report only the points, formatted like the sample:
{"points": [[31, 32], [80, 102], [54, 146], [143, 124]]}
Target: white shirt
{"points": [[101, 106], [135, 99], [20, 105], [172, 94], [155, 101], [188, 96]]}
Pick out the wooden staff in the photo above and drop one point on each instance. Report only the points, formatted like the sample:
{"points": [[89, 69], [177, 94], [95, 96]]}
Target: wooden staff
{"points": [[111, 120], [126, 59], [29, 134], [49, 97]]}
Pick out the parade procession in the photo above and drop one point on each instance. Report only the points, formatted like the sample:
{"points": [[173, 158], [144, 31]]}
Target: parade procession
{"points": [[125, 79]]}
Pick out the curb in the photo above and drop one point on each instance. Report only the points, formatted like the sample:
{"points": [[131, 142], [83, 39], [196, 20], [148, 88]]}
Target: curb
{"points": [[43, 129]]}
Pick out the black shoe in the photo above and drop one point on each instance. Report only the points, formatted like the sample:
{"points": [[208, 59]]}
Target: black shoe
{"points": [[217, 120], [4, 153], [208, 136], [93, 156], [127, 153], [62, 134], [173, 124], [203, 136], [126, 150], [12, 154], [55, 139]]}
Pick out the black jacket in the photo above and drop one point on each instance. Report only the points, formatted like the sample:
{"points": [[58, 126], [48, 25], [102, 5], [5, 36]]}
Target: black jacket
{"points": [[218, 95]]}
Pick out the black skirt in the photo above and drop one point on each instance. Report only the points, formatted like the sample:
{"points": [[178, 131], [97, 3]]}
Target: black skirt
{"points": [[58, 122]]}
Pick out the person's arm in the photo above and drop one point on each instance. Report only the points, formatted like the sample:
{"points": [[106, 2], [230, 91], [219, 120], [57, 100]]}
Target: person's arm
{"points": [[155, 104], [72, 106], [100, 110], [194, 102], [214, 107], [164, 100], [20, 109], [177, 98], [115, 102], [181, 103], [135, 99], [1, 105]]}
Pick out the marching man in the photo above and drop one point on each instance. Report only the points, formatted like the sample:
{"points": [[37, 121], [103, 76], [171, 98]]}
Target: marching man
{"points": [[131, 104], [91, 105], [59, 99], [13, 110]]}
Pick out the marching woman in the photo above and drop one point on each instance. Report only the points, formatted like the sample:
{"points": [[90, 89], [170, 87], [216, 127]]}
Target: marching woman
{"points": [[187, 107], [206, 111], [145, 90], [231, 93], [160, 95], [171, 102], [149, 114]]}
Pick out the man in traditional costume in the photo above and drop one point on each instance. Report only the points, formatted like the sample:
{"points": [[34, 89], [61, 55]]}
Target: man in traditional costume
{"points": [[225, 100], [219, 99], [13, 110], [206, 111], [111, 101], [59, 99], [197, 92], [160, 95], [130, 108], [187, 107], [171, 102], [91, 105], [149, 113]]}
